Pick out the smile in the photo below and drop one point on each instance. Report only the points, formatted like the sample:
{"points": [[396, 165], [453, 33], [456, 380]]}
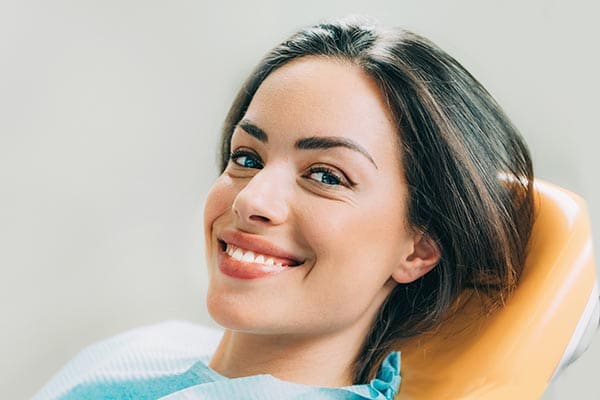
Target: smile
{"points": [[244, 256], [251, 257]]}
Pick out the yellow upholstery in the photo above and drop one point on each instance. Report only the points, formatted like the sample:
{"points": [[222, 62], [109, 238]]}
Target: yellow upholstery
{"points": [[514, 352]]}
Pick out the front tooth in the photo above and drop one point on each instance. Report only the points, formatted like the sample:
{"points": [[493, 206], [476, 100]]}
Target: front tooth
{"points": [[260, 259], [237, 254], [248, 256]]}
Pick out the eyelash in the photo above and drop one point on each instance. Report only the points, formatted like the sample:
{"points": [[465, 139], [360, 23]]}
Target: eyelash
{"points": [[341, 179]]}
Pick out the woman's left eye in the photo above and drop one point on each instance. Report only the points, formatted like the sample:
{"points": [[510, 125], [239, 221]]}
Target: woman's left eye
{"points": [[327, 176]]}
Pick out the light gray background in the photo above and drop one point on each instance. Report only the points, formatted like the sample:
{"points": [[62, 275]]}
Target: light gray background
{"points": [[109, 116]]}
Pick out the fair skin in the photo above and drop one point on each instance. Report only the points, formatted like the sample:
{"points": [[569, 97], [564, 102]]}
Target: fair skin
{"points": [[315, 183]]}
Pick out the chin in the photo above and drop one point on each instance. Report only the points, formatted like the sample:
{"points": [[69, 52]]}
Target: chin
{"points": [[230, 312], [236, 313]]}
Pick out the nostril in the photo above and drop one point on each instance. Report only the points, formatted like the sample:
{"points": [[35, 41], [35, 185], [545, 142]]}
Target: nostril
{"points": [[259, 218], [254, 207]]}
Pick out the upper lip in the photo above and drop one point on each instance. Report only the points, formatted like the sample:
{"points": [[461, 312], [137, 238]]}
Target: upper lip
{"points": [[258, 245]]}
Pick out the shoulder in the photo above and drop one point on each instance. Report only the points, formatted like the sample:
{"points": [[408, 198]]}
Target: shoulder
{"points": [[165, 348]]}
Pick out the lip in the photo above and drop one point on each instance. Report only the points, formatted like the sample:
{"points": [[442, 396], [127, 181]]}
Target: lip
{"points": [[246, 270], [259, 245]]}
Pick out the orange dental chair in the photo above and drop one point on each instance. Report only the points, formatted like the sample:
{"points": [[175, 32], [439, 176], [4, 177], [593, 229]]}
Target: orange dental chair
{"points": [[547, 323]]}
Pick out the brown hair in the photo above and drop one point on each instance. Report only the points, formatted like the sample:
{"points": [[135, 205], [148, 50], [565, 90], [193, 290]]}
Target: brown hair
{"points": [[468, 170]]}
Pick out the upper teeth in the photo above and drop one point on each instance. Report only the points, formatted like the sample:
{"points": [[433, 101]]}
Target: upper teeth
{"points": [[250, 256]]}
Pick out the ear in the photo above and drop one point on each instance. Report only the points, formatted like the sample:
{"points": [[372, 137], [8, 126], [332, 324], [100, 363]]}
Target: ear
{"points": [[424, 256]]}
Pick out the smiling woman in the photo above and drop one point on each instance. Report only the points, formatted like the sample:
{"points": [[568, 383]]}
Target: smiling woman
{"points": [[367, 180], [311, 191], [436, 143]]}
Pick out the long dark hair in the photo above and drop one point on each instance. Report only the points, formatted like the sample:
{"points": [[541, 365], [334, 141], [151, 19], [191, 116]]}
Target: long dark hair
{"points": [[468, 170]]}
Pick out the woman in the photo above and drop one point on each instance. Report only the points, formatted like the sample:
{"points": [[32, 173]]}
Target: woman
{"points": [[367, 180]]}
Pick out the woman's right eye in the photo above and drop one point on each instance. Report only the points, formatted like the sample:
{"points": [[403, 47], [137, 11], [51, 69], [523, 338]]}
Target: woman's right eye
{"points": [[246, 159]]}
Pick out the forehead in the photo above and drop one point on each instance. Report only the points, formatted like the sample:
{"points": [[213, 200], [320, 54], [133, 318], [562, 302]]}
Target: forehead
{"points": [[318, 96]]}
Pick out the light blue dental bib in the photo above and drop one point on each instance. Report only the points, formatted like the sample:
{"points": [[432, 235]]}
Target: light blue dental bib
{"points": [[165, 361]]}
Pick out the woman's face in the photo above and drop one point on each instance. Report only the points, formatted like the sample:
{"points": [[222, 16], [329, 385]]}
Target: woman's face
{"points": [[314, 190]]}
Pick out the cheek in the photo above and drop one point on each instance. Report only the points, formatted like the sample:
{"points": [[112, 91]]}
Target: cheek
{"points": [[356, 252], [357, 248], [360, 240], [218, 202]]}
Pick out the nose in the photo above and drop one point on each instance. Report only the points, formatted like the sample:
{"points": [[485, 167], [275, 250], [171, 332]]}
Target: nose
{"points": [[264, 200]]}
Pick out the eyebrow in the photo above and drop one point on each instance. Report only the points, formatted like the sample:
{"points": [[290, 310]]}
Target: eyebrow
{"points": [[309, 143], [253, 130]]}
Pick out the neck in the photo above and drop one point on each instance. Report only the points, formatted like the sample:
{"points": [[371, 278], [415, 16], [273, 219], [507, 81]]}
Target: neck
{"points": [[324, 361]]}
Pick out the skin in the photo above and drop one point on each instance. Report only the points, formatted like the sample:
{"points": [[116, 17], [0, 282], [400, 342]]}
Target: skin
{"points": [[347, 225]]}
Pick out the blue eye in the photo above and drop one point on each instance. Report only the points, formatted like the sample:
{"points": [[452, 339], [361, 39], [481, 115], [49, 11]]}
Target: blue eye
{"points": [[245, 159], [326, 176]]}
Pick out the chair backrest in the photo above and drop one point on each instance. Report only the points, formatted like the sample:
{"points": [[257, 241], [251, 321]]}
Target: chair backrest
{"points": [[516, 351]]}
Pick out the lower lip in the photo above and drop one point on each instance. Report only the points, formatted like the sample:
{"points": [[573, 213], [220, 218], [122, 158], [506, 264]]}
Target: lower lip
{"points": [[245, 270]]}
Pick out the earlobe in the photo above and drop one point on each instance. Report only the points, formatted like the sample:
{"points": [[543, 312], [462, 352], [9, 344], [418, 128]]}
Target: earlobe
{"points": [[424, 257]]}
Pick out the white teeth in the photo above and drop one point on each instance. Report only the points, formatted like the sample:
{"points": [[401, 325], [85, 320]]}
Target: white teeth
{"points": [[237, 254], [249, 256]]}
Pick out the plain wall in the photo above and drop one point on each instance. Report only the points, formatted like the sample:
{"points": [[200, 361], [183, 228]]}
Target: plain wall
{"points": [[109, 118]]}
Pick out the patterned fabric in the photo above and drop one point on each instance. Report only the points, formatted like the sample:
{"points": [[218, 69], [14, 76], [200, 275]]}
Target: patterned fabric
{"points": [[169, 361]]}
